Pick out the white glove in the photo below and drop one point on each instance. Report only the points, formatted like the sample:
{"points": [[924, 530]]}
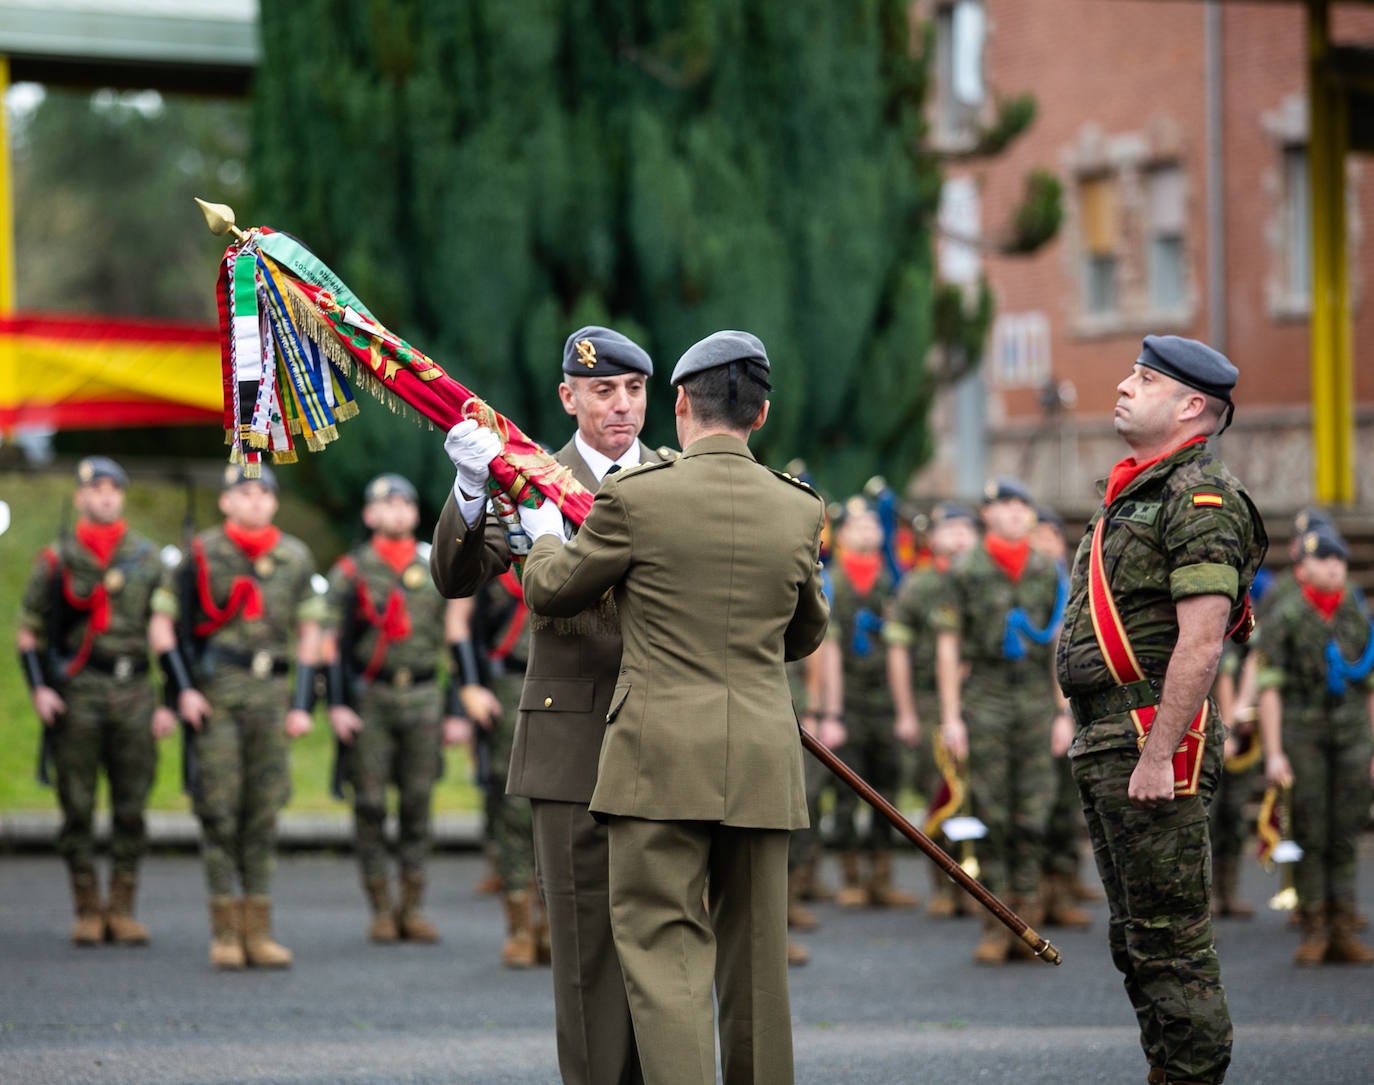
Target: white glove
{"points": [[547, 519], [471, 447]]}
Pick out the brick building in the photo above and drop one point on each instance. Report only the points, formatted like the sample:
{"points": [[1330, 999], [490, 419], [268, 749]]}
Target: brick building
{"points": [[1149, 112]]}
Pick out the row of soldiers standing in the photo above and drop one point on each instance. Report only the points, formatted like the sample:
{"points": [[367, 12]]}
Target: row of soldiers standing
{"points": [[242, 627]]}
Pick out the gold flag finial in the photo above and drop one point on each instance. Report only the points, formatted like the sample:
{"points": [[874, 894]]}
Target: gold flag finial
{"points": [[220, 218]]}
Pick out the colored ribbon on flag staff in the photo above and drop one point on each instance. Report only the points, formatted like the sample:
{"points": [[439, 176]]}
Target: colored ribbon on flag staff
{"points": [[293, 334]]}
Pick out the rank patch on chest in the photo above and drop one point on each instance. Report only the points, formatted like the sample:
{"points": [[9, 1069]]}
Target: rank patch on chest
{"points": [[1207, 500]]}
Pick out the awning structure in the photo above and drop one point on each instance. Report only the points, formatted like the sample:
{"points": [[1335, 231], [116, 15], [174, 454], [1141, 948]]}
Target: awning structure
{"points": [[79, 372]]}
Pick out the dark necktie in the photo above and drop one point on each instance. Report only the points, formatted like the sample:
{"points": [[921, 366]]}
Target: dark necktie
{"points": [[613, 469]]}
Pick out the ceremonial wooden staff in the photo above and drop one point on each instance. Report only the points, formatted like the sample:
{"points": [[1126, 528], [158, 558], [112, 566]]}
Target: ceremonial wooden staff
{"points": [[974, 888]]}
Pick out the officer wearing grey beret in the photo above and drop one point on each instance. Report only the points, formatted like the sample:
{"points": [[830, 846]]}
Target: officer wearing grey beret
{"points": [[385, 486], [716, 586], [1192, 363]]}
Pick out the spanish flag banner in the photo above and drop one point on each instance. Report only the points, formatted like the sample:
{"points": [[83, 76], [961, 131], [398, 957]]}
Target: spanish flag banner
{"points": [[88, 372]]}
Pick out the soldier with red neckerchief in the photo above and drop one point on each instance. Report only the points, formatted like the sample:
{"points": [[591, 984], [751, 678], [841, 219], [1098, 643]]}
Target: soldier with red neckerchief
{"points": [[83, 647]]}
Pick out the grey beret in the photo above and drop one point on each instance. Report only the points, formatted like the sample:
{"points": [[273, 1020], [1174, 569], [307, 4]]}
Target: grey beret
{"points": [[595, 351], [1189, 362], [1310, 518], [951, 510], [1006, 489], [384, 486], [94, 468], [722, 348], [234, 476], [1324, 541]]}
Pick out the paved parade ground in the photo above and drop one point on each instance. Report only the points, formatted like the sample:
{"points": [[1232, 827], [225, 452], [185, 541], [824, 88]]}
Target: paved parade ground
{"points": [[888, 997]]}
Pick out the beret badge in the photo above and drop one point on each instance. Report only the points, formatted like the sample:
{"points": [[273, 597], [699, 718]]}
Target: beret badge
{"points": [[586, 353]]}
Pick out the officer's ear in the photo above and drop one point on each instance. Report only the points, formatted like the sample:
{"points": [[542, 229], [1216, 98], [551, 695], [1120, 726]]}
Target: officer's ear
{"points": [[760, 418]]}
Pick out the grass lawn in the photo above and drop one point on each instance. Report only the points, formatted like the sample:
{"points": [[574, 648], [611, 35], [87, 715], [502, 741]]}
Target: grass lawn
{"points": [[154, 509]]}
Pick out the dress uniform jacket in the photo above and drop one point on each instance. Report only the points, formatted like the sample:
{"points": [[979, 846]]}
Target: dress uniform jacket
{"points": [[713, 562]]}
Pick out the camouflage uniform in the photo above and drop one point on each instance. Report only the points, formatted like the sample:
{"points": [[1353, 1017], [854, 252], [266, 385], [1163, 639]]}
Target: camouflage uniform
{"points": [[109, 698], [1326, 738], [1159, 547], [241, 669], [397, 696], [1008, 707]]}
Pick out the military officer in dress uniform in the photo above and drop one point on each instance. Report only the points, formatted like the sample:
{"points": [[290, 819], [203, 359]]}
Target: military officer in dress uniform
{"points": [[570, 675], [384, 632], [242, 590], [1160, 578], [713, 561], [83, 648]]}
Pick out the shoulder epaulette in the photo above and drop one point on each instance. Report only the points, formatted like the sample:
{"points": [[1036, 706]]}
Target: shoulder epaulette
{"points": [[641, 467], [666, 453], [795, 482]]}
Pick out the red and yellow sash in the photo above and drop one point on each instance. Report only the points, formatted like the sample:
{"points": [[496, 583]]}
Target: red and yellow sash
{"points": [[1125, 669]]}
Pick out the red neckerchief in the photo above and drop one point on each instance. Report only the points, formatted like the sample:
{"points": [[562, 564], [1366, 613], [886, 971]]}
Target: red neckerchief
{"points": [[102, 540], [399, 554], [1325, 603], [862, 570], [1010, 557], [253, 541], [941, 563], [1127, 471]]}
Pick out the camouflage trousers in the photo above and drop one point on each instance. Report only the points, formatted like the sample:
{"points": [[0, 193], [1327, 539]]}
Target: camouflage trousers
{"points": [[1226, 812], [871, 750], [106, 725], [1011, 782], [1330, 762], [245, 780], [401, 744], [511, 823], [1064, 832], [1156, 869]]}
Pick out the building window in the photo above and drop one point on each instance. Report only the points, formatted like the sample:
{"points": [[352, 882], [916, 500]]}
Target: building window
{"points": [[1165, 268], [960, 219], [1097, 201], [1021, 350], [1297, 229], [959, 29]]}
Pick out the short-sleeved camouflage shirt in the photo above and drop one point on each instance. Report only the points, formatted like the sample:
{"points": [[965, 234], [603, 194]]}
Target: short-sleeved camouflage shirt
{"points": [[909, 625], [1184, 527]]}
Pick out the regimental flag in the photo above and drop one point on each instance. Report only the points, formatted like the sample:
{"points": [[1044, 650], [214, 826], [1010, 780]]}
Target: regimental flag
{"points": [[292, 334]]}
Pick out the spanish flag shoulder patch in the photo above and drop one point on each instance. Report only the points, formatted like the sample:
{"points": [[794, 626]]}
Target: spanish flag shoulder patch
{"points": [[1208, 500]]}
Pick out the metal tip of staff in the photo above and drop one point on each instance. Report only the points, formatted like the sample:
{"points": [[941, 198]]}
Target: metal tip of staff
{"points": [[220, 218]]}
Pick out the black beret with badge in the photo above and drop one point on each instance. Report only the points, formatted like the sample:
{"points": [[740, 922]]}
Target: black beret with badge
{"points": [[390, 485], [1192, 363], [1006, 488], [1324, 541], [1310, 518], [234, 475], [93, 468], [952, 510], [740, 349], [595, 351]]}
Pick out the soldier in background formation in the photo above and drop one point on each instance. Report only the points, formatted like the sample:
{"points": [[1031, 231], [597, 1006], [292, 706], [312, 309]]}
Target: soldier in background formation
{"points": [[1241, 757], [1000, 707], [1315, 655], [83, 649], [384, 631], [910, 640], [861, 591], [242, 595]]}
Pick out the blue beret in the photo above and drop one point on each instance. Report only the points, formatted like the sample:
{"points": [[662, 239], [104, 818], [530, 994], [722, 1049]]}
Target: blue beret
{"points": [[1189, 362], [1324, 542], [595, 351], [234, 476], [1309, 518], [951, 510], [384, 486], [1006, 489], [722, 348], [94, 468]]}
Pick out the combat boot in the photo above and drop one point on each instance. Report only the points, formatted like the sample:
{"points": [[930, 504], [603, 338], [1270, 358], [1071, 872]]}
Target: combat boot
{"points": [[1315, 937], [89, 928], [1060, 909], [490, 883], [811, 886], [995, 944], [1225, 901], [226, 933], [1344, 947], [943, 903], [121, 926], [853, 894], [799, 917], [259, 948], [882, 893], [410, 921], [1157, 1076], [521, 949], [797, 955], [383, 925]]}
